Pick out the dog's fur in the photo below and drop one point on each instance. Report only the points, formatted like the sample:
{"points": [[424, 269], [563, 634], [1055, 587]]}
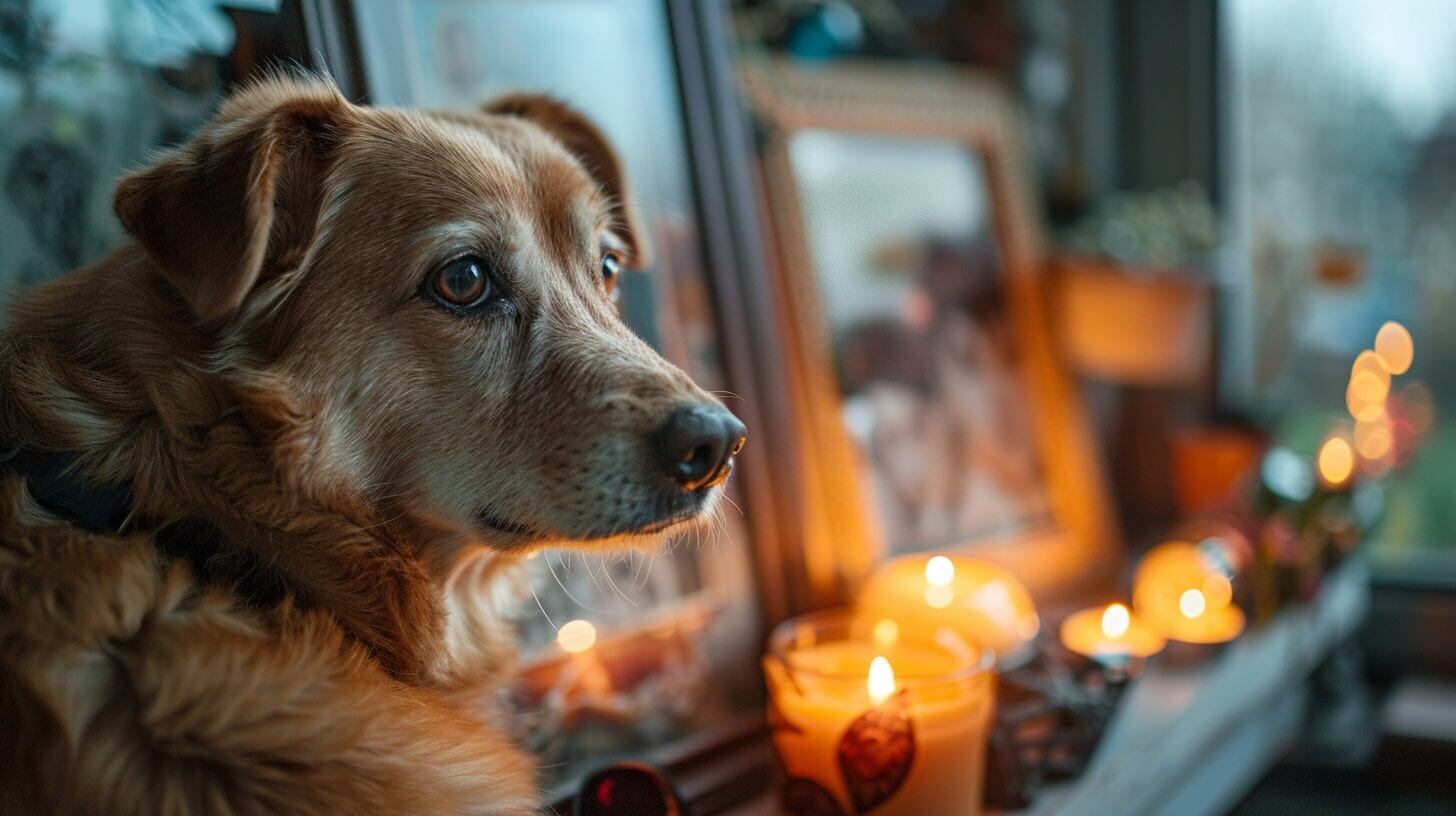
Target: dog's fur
{"points": [[259, 357]]}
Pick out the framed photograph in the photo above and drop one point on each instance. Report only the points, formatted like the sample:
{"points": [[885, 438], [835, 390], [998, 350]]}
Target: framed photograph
{"points": [[635, 654], [910, 261]]}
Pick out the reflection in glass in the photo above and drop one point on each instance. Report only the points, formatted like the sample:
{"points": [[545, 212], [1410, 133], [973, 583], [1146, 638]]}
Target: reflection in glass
{"points": [[87, 93], [905, 256]]}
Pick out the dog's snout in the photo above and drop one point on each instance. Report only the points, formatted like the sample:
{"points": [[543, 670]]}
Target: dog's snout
{"points": [[697, 444]]}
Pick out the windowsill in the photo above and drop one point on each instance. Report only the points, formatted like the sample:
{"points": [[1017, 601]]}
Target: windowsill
{"points": [[1194, 740]]}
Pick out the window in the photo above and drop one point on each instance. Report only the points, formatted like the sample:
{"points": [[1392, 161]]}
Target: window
{"points": [[88, 91], [1342, 148]]}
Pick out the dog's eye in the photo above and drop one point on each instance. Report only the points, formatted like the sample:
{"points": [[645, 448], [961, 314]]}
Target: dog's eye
{"points": [[611, 269], [463, 282]]}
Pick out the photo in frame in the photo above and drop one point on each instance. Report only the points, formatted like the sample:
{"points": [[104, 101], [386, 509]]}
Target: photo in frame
{"points": [[910, 266]]}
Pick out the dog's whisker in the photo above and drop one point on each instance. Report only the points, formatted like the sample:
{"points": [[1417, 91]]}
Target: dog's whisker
{"points": [[647, 570], [729, 499], [541, 607], [591, 574], [546, 556], [618, 589], [636, 571]]}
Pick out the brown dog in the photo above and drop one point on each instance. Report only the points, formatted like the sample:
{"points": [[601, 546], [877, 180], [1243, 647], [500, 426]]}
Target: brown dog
{"points": [[347, 347]]}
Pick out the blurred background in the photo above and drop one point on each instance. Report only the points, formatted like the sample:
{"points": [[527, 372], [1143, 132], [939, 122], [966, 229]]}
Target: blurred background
{"points": [[1233, 196]]}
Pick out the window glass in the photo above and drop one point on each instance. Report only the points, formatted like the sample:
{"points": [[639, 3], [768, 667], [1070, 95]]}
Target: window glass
{"points": [[1343, 173], [88, 90]]}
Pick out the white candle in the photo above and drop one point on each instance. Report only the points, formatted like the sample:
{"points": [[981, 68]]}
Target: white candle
{"points": [[900, 729]]}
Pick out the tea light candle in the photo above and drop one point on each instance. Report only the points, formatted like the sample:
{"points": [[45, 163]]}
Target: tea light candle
{"points": [[898, 729], [1335, 464], [1184, 597], [979, 601], [1110, 633]]}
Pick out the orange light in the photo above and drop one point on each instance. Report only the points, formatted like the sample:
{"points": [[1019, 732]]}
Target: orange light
{"points": [[576, 636], [1369, 388], [881, 682], [1217, 590], [1368, 362], [1115, 621], [1361, 409], [1336, 461], [939, 571], [939, 597], [1373, 440], [886, 633], [986, 605], [1396, 348], [1192, 603]]}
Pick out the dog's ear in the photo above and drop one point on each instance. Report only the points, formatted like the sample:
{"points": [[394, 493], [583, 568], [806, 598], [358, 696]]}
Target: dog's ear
{"points": [[586, 142], [242, 198]]}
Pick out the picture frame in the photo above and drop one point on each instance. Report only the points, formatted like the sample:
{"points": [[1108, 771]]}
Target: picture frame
{"points": [[1068, 542]]}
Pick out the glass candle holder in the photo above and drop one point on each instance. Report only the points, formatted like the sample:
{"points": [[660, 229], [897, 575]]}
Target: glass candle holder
{"points": [[898, 727]]}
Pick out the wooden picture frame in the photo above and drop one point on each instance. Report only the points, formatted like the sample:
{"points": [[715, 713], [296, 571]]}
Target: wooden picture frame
{"points": [[1076, 546]]}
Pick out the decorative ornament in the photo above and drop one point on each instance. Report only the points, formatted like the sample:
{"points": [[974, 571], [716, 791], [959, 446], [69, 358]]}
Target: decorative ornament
{"points": [[877, 751]]}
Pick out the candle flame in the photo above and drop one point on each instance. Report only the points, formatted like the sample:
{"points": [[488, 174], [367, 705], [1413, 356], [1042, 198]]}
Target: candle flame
{"points": [[1115, 621], [1360, 408], [1368, 388], [576, 636], [1192, 603], [939, 571], [1336, 461], [881, 682], [1395, 347], [1369, 362]]}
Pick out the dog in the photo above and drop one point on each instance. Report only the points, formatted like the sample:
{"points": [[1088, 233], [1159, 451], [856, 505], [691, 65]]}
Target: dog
{"points": [[275, 461]]}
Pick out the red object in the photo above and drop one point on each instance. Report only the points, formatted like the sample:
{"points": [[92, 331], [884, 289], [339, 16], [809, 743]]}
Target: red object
{"points": [[604, 792]]}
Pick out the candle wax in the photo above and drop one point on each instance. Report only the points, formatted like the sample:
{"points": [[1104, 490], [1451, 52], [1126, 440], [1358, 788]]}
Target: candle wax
{"points": [[824, 690], [981, 602], [1085, 634]]}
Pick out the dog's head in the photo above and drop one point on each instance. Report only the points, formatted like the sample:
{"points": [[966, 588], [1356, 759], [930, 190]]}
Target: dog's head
{"points": [[431, 296]]}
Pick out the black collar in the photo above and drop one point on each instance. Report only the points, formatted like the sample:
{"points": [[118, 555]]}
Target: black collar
{"points": [[52, 480]]}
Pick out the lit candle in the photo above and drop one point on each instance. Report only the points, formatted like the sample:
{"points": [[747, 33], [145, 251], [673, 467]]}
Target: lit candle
{"points": [[1395, 347], [585, 674], [1110, 633], [981, 602], [1183, 597], [899, 728], [1335, 463]]}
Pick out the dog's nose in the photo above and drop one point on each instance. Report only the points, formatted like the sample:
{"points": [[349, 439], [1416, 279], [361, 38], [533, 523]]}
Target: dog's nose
{"points": [[697, 444]]}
